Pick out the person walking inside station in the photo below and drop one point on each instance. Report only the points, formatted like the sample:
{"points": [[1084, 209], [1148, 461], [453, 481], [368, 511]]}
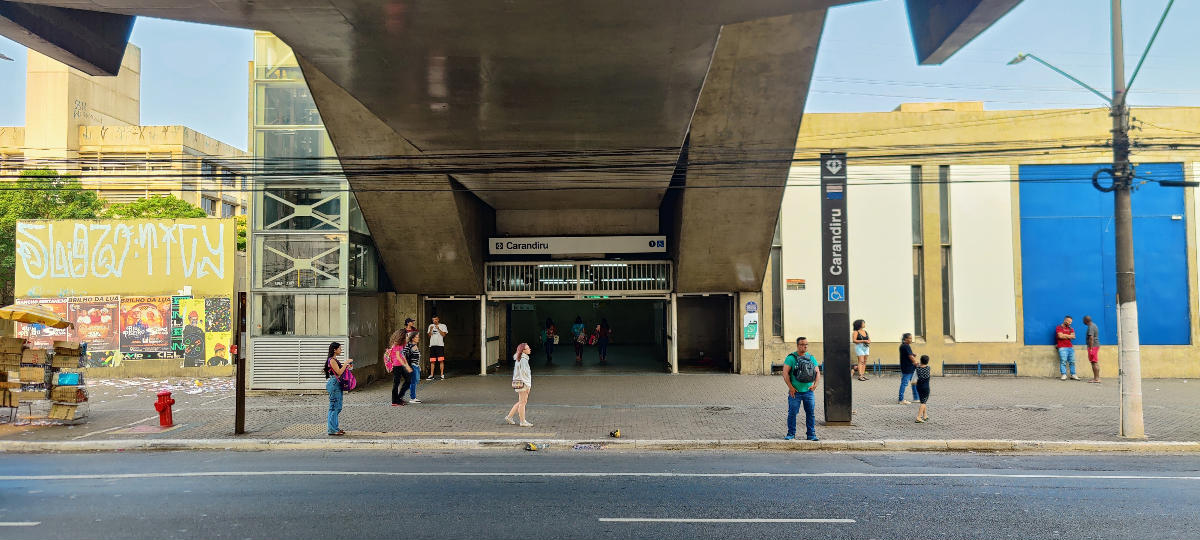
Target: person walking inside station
{"points": [[401, 372], [522, 382], [908, 366], [862, 348], [801, 373], [333, 384], [549, 339], [1064, 334], [1093, 347], [921, 387], [412, 356], [437, 347], [603, 335], [579, 333]]}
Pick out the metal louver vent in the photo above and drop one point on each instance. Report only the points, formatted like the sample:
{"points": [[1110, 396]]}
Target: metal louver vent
{"points": [[289, 363]]}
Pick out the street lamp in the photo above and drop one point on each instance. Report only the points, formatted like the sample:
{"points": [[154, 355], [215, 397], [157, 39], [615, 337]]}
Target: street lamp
{"points": [[1128, 340]]}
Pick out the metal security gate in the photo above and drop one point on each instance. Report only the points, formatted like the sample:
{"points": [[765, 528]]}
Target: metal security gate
{"points": [[577, 279]]}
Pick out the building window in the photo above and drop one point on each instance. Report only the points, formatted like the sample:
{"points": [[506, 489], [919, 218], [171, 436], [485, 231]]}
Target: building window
{"points": [[918, 239], [208, 205], [228, 210], [301, 315], [289, 105], [228, 179], [777, 284], [944, 214]]}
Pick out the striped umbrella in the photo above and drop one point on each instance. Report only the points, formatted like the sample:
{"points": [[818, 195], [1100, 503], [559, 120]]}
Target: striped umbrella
{"points": [[33, 314]]}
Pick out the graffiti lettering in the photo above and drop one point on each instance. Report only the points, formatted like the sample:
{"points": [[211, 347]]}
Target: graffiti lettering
{"points": [[71, 251]]}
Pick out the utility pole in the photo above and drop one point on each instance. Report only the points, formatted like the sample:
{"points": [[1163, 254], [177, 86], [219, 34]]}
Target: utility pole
{"points": [[1129, 358]]}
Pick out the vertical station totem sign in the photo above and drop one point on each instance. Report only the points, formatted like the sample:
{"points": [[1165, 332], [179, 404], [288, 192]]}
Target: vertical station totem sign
{"points": [[835, 285]]}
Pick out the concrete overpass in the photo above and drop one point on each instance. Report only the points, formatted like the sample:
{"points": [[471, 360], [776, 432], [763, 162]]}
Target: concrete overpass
{"points": [[539, 118]]}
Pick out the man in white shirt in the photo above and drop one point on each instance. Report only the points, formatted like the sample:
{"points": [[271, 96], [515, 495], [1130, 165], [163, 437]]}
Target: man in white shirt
{"points": [[437, 347]]}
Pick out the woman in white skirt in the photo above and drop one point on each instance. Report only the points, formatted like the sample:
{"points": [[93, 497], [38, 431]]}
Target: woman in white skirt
{"points": [[522, 381]]}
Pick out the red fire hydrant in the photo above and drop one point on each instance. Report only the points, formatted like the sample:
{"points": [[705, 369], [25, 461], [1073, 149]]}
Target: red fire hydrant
{"points": [[163, 406]]}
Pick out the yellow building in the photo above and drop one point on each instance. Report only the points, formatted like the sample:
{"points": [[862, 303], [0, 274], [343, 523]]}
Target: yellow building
{"points": [[90, 126], [978, 231]]}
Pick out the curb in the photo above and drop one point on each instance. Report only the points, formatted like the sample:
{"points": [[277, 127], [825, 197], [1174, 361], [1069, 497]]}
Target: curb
{"points": [[887, 445]]}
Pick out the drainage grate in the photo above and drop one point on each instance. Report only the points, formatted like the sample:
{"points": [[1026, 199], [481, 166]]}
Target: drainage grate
{"points": [[979, 369]]}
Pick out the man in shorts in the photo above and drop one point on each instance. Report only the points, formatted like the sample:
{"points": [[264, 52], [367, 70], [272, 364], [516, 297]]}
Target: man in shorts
{"points": [[437, 348], [1093, 347]]}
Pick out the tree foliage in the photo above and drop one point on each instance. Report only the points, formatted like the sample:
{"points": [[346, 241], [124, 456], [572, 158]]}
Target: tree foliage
{"points": [[154, 207], [241, 233], [38, 194]]}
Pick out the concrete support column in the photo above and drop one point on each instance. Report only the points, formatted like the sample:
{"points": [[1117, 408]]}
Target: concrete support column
{"points": [[673, 333], [483, 335], [749, 114]]}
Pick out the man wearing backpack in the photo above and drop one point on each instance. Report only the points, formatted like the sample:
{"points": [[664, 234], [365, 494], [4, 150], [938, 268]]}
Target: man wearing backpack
{"points": [[801, 373]]}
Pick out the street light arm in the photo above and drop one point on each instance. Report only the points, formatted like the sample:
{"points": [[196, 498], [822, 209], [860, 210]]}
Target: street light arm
{"points": [[1023, 56], [1149, 44]]}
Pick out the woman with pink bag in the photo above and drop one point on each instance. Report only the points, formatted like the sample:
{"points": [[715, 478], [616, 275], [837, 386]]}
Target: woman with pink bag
{"points": [[522, 381], [335, 371], [398, 365]]}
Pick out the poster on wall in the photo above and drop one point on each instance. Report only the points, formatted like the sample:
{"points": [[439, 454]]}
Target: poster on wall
{"points": [[218, 315], [177, 325], [96, 321], [145, 327], [217, 348], [40, 336], [192, 311]]}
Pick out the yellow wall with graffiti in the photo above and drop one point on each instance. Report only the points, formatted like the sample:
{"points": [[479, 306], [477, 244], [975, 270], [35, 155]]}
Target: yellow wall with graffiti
{"points": [[62, 258]]}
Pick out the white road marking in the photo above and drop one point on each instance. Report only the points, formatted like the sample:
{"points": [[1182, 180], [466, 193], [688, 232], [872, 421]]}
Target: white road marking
{"points": [[198, 474], [19, 523], [114, 428], [719, 520]]}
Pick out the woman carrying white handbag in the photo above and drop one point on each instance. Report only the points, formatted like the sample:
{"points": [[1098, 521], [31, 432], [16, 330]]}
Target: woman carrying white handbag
{"points": [[522, 381]]}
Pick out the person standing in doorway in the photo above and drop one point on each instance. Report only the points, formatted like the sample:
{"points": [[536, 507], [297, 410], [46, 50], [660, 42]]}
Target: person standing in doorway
{"points": [[1063, 335], [1093, 347], [410, 327], [862, 348], [522, 382], [800, 391], [603, 335], [921, 386], [401, 372], [549, 338], [579, 334], [333, 384], [437, 347], [412, 355], [908, 366]]}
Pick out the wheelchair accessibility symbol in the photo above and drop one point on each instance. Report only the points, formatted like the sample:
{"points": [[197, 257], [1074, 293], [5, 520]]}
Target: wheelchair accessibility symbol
{"points": [[837, 293]]}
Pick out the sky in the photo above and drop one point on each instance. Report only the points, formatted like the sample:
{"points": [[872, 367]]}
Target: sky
{"points": [[196, 75]]}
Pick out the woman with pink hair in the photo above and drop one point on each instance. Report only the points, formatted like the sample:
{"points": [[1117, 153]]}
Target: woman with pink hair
{"points": [[522, 381]]}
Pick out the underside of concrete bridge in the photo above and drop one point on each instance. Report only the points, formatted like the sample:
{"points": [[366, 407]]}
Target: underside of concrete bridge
{"points": [[530, 118]]}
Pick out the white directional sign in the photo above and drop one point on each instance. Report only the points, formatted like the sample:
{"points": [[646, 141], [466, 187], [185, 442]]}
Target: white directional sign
{"points": [[566, 245]]}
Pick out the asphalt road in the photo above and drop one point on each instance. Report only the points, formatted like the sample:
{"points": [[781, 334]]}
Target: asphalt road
{"points": [[568, 493]]}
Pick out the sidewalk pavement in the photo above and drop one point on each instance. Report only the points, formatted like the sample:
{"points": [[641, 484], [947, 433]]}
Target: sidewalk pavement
{"points": [[646, 407]]}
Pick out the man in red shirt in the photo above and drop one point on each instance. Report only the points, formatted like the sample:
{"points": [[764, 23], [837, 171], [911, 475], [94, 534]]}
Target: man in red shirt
{"points": [[1063, 335]]}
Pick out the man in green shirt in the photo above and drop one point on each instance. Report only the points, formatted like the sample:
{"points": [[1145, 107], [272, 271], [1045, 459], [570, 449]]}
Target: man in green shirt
{"points": [[801, 393]]}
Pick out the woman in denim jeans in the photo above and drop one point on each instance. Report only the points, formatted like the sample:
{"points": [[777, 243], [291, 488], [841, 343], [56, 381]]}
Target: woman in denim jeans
{"points": [[333, 374]]}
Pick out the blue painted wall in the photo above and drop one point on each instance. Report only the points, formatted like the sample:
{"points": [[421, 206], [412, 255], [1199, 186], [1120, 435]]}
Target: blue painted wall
{"points": [[1068, 265]]}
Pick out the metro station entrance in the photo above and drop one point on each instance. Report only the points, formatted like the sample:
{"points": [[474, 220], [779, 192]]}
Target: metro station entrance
{"points": [[651, 328], [638, 334]]}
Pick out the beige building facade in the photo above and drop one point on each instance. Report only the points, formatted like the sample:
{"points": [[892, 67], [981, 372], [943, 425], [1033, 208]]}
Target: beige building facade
{"points": [[90, 126], [979, 230]]}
